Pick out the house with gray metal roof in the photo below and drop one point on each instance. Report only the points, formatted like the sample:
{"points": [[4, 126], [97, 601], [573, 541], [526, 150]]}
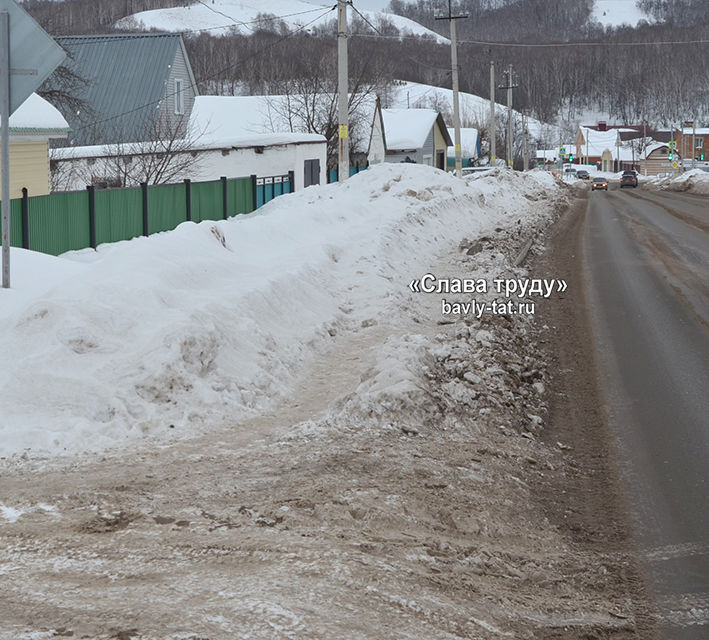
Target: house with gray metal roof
{"points": [[134, 87]]}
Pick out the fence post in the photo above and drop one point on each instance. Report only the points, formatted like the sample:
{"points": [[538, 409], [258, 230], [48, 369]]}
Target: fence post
{"points": [[225, 209], [25, 219], [188, 197], [291, 180], [92, 215], [254, 192], [146, 222]]}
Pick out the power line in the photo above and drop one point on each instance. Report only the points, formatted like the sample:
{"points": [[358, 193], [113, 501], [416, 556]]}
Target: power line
{"points": [[246, 23], [408, 57], [542, 45]]}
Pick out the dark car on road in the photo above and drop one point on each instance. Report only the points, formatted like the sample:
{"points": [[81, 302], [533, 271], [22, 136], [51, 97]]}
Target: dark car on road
{"points": [[599, 183], [629, 179], [583, 174]]}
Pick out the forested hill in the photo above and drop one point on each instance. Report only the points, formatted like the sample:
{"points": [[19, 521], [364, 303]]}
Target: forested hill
{"points": [[656, 69], [565, 58]]}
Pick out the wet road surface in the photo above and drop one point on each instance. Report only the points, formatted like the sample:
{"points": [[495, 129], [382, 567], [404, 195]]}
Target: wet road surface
{"points": [[646, 261]]}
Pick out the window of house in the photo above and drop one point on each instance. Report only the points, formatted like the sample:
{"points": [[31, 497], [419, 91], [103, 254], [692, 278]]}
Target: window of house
{"points": [[179, 96]]}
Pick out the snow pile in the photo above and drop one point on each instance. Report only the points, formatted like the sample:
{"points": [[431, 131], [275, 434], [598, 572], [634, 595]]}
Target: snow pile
{"points": [[171, 334], [694, 181]]}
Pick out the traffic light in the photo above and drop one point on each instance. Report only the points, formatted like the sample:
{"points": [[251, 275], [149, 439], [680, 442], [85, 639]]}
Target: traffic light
{"points": [[571, 157], [670, 155], [701, 156]]}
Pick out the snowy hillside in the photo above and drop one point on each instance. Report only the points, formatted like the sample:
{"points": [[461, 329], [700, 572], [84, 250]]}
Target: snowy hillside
{"points": [[473, 109], [613, 13], [221, 16], [179, 332]]}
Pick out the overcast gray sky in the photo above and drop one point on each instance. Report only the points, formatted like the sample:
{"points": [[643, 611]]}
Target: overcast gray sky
{"points": [[371, 4]]}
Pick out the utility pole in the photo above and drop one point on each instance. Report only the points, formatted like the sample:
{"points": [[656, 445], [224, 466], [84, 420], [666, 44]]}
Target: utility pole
{"points": [[5, 152], [510, 84], [343, 158], [493, 134], [525, 158], [694, 141], [456, 103]]}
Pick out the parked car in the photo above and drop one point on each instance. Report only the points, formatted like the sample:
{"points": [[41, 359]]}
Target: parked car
{"points": [[583, 174], [570, 170], [599, 183], [629, 179]]}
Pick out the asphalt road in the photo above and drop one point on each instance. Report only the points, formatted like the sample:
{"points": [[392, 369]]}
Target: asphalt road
{"points": [[646, 261]]}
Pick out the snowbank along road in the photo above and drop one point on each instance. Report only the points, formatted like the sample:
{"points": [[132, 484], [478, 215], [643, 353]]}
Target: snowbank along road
{"points": [[256, 429]]}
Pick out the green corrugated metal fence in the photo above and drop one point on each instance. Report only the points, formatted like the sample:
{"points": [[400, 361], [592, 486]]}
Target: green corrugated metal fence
{"points": [[67, 221], [168, 207], [119, 214], [207, 201], [58, 223]]}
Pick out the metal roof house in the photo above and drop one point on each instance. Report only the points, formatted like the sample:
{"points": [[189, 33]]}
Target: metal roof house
{"points": [[136, 87], [409, 135]]}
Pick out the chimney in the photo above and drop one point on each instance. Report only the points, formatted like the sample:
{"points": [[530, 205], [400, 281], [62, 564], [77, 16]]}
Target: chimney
{"points": [[602, 125]]}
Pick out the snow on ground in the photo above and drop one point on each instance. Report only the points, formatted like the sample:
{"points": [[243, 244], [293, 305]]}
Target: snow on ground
{"points": [[223, 16], [397, 492], [160, 336], [613, 13], [474, 110], [693, 181]]}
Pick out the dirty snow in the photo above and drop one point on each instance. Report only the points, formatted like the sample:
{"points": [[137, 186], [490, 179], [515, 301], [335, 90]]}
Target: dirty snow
{"points": [[181, 331], [692, 181], [376, 472]]}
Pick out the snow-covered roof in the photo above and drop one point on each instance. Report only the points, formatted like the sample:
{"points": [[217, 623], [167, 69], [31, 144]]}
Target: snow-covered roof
{"points": [[468, 142], [244, 121], [407, 128], [35, 116], [596, 142], [703, 131]]}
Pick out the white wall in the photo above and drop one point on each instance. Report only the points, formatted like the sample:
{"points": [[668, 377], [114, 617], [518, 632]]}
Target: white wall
{"points": [[74, 174], [274, 160]]}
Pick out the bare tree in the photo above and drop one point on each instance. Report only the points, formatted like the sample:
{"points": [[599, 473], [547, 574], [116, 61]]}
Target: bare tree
{"points": [[170, 154]]}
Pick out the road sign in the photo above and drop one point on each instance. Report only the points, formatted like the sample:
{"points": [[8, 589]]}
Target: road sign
{"points": [[674, 164], [33, 54], [562, 151], [672, 144], [27, 56]]}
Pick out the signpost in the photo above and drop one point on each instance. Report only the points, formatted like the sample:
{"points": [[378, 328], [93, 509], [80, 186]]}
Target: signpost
{"points": [[28, 55]]}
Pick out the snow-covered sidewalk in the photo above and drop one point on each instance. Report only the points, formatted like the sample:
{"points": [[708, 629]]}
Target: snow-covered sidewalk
{"points": [[211, 323]]}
